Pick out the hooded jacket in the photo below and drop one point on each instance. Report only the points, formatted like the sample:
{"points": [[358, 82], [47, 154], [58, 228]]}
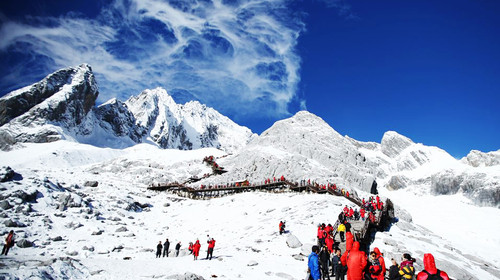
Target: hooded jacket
{"points": [[356, 262], [378, 272], [196, 248], [313, 264], [349, 240], [380, 259], [430, 267]]}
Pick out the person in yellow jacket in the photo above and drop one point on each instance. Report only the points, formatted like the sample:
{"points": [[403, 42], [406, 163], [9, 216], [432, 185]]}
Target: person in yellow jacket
{"points": [[406, 269], [341, 230]]}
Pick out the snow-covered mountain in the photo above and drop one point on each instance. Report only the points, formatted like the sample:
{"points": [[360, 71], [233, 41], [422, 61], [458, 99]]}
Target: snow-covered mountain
{"points": [[306, 147], [185, 127], [76, 190], [62, 106]]}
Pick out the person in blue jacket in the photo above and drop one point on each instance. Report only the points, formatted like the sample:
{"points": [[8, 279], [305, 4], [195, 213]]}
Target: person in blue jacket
{"points": [[313, 264]]}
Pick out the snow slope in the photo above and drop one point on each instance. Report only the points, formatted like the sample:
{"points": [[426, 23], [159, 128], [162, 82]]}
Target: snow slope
{"points": [[85, 232]]}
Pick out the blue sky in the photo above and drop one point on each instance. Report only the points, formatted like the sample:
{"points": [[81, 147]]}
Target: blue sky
{"points": [[429, 70]]}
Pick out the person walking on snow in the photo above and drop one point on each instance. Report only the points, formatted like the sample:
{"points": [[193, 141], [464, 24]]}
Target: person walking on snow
{"points": [[341, 230], [430, 271], [158, 249], [313, 264], [211, 245], [9, 243]]}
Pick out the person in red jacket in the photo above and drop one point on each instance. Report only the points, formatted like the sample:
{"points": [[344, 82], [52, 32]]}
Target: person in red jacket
{"points": [[196, 249], [349, 240], [381, 260], [190, 248], [430, 269], [362, 212], [9, 242], [211, 245], [356, 262], [329, 229], [329, 243], [375, 268]]}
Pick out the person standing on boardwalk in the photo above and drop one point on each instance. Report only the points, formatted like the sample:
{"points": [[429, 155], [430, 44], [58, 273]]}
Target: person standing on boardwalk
{"points": [[158, 250], [341, 230], [324, 257], [313, 264], [338, 268], [356, 262], [347, 225]]}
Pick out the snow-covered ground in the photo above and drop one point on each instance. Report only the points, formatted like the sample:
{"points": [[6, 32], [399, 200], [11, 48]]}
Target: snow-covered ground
{"points": [[81, 231], [471, 229]]}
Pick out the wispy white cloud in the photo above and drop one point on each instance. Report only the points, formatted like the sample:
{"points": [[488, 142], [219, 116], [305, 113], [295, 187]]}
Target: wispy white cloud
{"points": [[237, 56]]}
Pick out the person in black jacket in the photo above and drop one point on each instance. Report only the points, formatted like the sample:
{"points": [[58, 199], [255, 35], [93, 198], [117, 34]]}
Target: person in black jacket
{"points": [[338, 269], [177, 248], [158, 249], [347, 226], [324, 258], [166, 245], [394, 271]]}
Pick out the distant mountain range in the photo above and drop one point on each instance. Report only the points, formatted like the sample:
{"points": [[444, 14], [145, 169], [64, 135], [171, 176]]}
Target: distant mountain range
{"points": [[62, 106]]}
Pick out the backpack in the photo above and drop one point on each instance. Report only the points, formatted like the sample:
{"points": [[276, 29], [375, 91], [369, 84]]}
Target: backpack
{"points": [[436, 276], [409, 272]]}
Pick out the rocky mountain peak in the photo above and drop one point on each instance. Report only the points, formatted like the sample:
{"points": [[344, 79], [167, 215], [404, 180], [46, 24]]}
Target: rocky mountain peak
{"points": [[394, 143], [41, 112], [303, 123], [477, 158], [70, 91]]}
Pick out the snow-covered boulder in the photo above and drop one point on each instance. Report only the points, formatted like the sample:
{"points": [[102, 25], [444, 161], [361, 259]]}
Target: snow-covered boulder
{"points": [[23, 243], [293, 242], [186, 276], [6, 173]]}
